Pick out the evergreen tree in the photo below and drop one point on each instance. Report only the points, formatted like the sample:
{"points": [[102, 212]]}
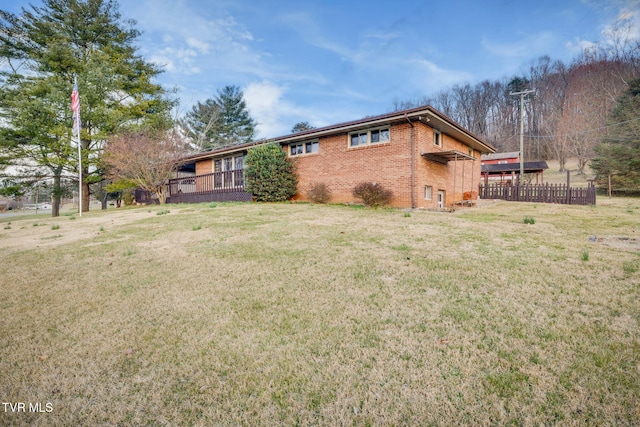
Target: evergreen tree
{"points": [[45, 48], [199, 124], [618, 155], [301, 127], [270, 176], [220, 122]]}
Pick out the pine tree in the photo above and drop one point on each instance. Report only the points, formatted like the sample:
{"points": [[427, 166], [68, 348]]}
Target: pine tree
{"points": [[301, 127], [45, 48], [220, 122], [618, 155]]}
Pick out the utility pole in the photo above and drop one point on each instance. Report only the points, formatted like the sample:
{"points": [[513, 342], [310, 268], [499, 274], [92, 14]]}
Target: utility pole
{"points": [[522, 94]]}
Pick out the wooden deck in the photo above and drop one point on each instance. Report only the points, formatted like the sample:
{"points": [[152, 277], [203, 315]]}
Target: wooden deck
{"points": [[225, 186]]}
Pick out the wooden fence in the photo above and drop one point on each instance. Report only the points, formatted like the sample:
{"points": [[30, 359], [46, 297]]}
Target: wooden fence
{"points": [[542, 193]]}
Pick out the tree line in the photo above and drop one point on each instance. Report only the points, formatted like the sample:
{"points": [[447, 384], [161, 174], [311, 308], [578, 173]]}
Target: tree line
{"points": [[570, 113]]}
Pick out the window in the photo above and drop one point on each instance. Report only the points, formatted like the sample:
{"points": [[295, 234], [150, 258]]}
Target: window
{"points": [[228, 164], [437, 138], [374, 136], [217, 176], [228, 172], [428, 192], [239, 160], [358, 139], [311, 147], [304, 148], [379, 135], [238, 178]]}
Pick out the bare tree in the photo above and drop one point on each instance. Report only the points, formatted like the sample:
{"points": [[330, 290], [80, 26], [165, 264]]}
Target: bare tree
{"points": [[567, 116], [148, 159], [594, 86]]}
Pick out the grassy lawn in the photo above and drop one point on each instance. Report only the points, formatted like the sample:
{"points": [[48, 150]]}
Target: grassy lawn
{"points": [[554, 176], [301, 314]]}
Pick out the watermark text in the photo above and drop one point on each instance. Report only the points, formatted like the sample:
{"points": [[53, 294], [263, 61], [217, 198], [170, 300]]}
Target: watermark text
{"points": [[41, 407]]}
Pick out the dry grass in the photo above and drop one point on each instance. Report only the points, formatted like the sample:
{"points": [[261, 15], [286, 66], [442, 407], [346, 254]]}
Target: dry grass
{"points": [[554, 176], [253, 314]]}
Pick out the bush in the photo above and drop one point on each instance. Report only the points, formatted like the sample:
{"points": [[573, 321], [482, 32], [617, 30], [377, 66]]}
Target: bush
{"points": [[373, 194], [270, 176], [319, 193], [128, 196]]}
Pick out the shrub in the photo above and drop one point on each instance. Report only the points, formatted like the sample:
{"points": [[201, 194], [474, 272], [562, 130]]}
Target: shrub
{"points": [[319, 193], [128, 196], [529, 220], [270, 176], [372, 194]]}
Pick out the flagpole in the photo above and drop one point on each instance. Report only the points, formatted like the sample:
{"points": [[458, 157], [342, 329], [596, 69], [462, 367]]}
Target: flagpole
{"points": [[76, 123]]}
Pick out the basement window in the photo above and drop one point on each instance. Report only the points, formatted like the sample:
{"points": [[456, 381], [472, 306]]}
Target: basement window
{"points": [[428, 192]]}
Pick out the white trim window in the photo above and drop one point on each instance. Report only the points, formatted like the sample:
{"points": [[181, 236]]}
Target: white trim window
{"points": [[371, 136], [437, 138], [307, 147], [428, 192]]}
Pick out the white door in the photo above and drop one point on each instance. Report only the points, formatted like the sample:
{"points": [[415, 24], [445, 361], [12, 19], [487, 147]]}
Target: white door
{"points": [[440, 199]]}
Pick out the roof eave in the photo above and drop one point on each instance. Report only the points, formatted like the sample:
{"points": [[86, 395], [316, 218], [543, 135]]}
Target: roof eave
{"points": [[425, 114]]}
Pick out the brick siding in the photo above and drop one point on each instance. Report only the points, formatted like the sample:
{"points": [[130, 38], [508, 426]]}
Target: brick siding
{"points": [[342, 167]]}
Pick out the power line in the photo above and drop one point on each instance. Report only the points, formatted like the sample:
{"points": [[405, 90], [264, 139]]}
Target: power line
{"points": [[588, 130]]}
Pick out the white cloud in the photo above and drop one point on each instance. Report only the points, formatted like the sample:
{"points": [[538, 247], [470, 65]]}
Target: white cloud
{"points": [[429, 74], [621, 30], [319, 36], [276, 114], [264, 102], [186, 39], [578, 46], [164, 61], [200, 45]]}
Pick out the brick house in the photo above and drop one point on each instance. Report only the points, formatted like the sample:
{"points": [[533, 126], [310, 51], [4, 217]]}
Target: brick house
{"points": [[423, 156]]}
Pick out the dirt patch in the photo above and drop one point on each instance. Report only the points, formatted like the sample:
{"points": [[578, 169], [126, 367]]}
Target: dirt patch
{"points": [[618, 242], [25, 234]]}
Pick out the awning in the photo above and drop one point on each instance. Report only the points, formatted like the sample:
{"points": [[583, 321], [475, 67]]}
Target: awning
{"points": [[445, 157], [528, 167]]}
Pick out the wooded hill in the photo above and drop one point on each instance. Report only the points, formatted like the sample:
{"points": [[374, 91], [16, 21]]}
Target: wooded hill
{"points": [[569, 113]]}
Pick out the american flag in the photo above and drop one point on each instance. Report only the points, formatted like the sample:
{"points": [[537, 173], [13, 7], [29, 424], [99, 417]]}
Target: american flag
{"points": [[75, 107]]}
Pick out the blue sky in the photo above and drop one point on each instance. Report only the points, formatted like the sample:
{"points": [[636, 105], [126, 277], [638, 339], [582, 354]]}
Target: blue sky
{"points": [[327, 62]]}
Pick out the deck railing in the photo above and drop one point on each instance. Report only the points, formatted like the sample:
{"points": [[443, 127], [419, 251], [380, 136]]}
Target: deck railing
{"points": [[215, 186]]}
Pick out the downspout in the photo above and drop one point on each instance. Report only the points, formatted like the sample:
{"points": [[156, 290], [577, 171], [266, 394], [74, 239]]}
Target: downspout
{"points": [[413, 162]]}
